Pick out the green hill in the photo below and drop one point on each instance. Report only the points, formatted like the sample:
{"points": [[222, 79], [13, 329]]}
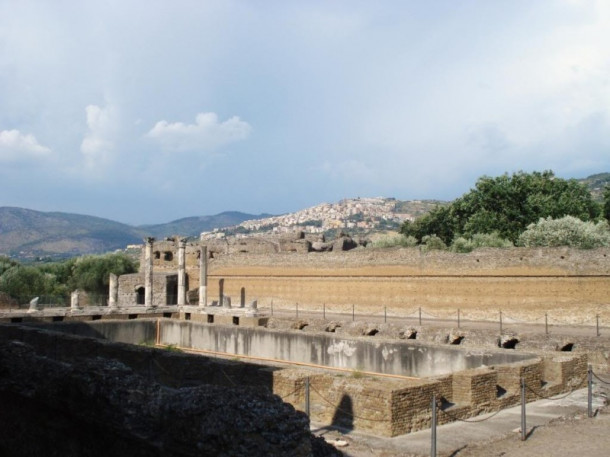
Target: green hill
{"points": [[193, 226], [596, 184], [28, 235]]}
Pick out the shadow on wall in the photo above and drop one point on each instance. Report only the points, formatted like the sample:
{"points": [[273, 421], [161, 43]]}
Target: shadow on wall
{"points": [[344, 414]]}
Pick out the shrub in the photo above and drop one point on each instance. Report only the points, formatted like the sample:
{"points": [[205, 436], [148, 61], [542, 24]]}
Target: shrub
{"points": [[480, 240], [567, 231], [462, 245], [395, 240], [432, 242]]}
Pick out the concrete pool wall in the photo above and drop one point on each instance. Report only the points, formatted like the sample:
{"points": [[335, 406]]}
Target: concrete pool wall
{"points": [[408, 358], [405, 358], [357, 400]]}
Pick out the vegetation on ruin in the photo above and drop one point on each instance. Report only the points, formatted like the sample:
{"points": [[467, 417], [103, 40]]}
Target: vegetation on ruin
{"points": [[58, 279], [499, 210], [390, 241]]}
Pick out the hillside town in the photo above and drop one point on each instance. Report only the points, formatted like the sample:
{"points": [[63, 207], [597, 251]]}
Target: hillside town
{"points": [[359, 214]]}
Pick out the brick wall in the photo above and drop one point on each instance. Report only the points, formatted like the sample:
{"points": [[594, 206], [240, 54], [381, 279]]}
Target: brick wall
{"points": [[372, 404]]}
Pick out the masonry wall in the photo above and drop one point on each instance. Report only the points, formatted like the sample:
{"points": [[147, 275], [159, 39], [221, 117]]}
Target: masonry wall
{"points": [[489, 279], [378, 405], [164, 289], [401, 277]]}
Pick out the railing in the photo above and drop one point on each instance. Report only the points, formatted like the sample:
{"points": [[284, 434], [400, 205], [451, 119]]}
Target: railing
{"points": [[460, 319]]}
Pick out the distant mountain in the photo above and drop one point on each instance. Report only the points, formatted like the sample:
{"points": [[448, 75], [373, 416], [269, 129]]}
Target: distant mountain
{"points": [[596, 184], [28, 234], [193, 226]]}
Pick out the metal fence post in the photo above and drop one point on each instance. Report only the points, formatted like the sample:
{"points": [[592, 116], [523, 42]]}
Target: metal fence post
{"points": [[353, 312], [597, 324], [307, 409], [324, 310], [420, 315], [433, 428], [589, 391], [523, 425], [297, 310], [385, 314], [500, 322], [458, 318], [546, 323]]}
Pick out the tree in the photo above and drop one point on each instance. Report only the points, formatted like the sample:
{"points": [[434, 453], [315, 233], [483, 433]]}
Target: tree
{"points": [[506, 205], [606, 204], [23, 282], [91, 273], [6, 263], [437, 222]]}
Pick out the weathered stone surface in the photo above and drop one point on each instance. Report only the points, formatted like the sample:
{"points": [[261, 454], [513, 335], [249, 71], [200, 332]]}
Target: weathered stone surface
{"points": [[192, 296], [98, 407], [299, 245], [344, 243], [299, 325], [321, 246]]}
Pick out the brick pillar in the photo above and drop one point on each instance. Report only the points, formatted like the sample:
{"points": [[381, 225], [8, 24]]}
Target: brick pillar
{"points": [[148, 272], [181, 272], [203, 276]]}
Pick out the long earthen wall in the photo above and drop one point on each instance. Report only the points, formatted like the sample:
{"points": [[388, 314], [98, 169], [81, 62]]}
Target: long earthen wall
{"points": [[565, 281]]}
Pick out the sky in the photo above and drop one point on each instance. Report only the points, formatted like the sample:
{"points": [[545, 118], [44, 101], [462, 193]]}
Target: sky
{"points": [[147, 111]]}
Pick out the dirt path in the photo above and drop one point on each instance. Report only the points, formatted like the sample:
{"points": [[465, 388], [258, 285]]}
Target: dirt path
{"points": [[567, 437]]}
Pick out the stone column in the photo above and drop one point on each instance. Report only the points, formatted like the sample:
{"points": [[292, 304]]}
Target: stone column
{"points": [[203, 276], [34, 304], [181, 271], [113, 291], [74, 299], [148, 272], [221, 292]]}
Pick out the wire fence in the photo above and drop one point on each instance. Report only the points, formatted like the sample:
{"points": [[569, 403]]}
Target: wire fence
{"points": [[423, 316], [442, 407], [279, 307]]}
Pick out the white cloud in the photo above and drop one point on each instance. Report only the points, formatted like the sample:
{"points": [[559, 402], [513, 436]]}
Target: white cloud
{"points": [[206, 134], [16, 147], [98, 144]]}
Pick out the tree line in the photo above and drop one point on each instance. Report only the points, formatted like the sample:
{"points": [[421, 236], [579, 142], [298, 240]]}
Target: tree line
{"points": [[523, 209], [59, 279]]}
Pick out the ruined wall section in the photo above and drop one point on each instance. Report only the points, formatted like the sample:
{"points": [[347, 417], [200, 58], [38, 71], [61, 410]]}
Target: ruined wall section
{"points": [[511, 279], [516, 278], [414, 261], [164, 289]]}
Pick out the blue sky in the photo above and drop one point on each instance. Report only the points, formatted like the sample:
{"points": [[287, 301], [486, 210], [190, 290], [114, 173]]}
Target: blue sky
{"points": [[148, 111]]}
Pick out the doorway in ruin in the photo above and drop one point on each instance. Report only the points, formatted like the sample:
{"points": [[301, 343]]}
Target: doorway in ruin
{"points": [[140, 294], [171, 296]]}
